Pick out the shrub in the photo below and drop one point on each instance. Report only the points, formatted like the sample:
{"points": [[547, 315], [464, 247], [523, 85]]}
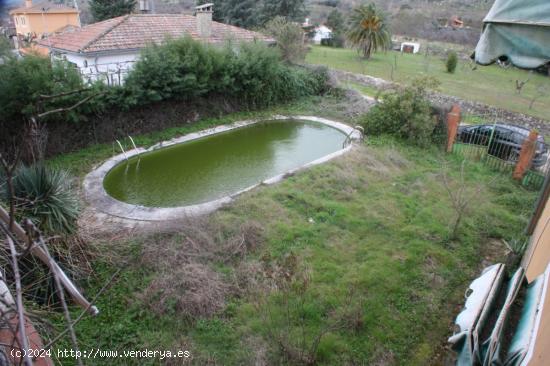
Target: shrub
{"points": [[43, 195], [290, 38], [337, 41], [22, 81], [186, 69], [156, 76], [452, 61], [404, 112]]}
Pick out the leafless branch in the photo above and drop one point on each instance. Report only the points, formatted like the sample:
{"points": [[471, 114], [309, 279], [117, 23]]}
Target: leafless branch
{"points": [[9, 170], [23, 342], [38, 251], [72, 92], [85, 311], [68, 109], [520, 84], [460, 199], [61, 294]]}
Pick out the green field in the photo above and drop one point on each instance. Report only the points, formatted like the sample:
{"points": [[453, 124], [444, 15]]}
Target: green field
{"points": [[491, 85], [354, 253]]}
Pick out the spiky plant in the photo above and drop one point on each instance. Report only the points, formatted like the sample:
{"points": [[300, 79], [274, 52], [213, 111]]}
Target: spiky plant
{"points": [[43, 195], [369, 30]]}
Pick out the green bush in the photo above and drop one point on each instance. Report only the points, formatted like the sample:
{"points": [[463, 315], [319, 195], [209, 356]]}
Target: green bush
{"points": [[337, 41], [43, 195], [404, 112], [22, 81], [452, 62], [185, 69]]}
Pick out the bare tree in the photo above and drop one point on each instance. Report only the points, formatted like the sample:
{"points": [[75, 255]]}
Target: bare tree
{"points": [[520, 84], [36, 133], [461, 197], [542, 91]]}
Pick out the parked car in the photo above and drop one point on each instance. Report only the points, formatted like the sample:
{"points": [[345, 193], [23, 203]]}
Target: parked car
{"points": [[505, 143]]}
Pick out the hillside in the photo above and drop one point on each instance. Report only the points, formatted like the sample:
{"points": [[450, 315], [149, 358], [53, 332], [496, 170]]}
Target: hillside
{"points": [[418, 18], [415, 18]]}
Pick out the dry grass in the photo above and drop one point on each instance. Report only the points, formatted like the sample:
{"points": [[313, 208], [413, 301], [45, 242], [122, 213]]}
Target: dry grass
{"points": [[192, 289], [184, 279]]}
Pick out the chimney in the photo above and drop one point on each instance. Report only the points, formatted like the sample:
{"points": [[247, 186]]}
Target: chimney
{"points": [[144, 6], [28, 3], [204, 19]]}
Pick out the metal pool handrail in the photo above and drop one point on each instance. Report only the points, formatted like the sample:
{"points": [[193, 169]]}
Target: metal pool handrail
{"points": [[348, 139]]}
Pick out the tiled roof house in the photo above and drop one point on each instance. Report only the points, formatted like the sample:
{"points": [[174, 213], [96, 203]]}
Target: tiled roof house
{"points": [[108, 49], [35, 19]]}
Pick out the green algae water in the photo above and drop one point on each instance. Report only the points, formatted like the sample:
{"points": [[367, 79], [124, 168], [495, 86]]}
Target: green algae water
{"points": [[219, 165]]}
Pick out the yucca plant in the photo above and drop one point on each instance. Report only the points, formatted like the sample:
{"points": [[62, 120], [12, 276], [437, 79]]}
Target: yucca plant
{"points": [[43, 195], [368, 30]]}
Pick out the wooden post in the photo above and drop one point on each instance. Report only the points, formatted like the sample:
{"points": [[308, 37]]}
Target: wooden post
{"points": [[453, 120], [526, 155]]}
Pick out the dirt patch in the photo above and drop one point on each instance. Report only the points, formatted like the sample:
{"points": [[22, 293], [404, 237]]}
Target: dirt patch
{"points": [[494, 251]]}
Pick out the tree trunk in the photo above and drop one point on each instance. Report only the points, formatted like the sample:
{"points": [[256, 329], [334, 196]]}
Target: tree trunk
{"points": [[35, 140], [367, 50]]}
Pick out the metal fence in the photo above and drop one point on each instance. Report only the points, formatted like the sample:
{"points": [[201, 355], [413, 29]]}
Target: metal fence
{"points": [[112, 74], [499, 145]]}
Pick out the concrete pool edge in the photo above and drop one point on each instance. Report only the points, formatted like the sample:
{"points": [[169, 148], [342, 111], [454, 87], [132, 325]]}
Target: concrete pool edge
{"points": [[97, 197]]}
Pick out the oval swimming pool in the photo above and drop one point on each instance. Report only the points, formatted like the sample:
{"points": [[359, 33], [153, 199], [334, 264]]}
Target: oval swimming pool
{"points": [[220, 165]]}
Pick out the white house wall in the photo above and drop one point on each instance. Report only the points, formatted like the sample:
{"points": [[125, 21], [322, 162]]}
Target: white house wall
{"points": [[111, 69], [321, 32]]}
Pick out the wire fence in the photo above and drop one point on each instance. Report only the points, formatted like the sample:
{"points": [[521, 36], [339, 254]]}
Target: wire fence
{"points": [[112, 74], [499, 145]]}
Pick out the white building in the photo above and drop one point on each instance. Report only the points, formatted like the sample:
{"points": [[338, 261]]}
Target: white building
{"points": [[410, 47], [108, 50], [321, 32]]}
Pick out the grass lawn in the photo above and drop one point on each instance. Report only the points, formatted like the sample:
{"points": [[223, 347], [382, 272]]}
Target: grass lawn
{"points": [[487, 84], [349, 262]]}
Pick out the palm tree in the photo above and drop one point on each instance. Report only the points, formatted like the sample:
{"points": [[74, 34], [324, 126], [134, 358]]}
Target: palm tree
{"points": [[368, 30]]}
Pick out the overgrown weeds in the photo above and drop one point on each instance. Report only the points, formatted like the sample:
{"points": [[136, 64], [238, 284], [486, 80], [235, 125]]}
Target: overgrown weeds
{"points": [[185, 280]]}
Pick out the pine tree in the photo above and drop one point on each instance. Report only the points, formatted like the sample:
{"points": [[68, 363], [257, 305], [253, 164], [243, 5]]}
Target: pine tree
{"points": [[107, 9], [242, 13]]}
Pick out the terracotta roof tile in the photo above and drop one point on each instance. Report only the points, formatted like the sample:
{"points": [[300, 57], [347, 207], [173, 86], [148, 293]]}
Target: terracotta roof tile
{"points": [[136, 31]]}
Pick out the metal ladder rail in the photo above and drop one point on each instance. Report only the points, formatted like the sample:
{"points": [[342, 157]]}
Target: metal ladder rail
{"points": [[348, 137], [121, 148], [135, 148]]}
